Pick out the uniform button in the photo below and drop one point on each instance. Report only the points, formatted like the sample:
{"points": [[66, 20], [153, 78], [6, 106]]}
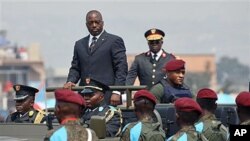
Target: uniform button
{"points": [[153, 76], [153, 82], [154, 65], [153, 70]]}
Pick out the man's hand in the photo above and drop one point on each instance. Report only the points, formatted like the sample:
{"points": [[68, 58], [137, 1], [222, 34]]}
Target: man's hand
{"points": [[115, 99], [69, 85]]}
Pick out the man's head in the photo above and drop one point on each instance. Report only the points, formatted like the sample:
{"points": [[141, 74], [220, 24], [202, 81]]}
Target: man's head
{"points": [[93, 93], [243, 105], [175, 71], [68, 104], [94, 22], [155, 39], [144, 102], [187, 111], [207, 98], [25, 96]]}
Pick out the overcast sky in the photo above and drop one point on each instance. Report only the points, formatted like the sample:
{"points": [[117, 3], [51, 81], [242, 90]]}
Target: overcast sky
{"points": [[191, 27]]}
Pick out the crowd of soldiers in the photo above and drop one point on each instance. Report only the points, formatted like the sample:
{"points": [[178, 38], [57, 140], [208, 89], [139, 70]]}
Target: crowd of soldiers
{"points": [[73, 110]]}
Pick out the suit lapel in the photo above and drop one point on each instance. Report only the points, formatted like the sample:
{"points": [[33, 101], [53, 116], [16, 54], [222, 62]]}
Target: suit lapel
{"points": [[100, 41]]}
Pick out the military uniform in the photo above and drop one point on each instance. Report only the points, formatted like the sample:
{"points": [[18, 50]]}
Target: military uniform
{"points": [[70, 126], [142, 131], [71, 130], [146, 129], [112, 115], [187, 133], [148, 70], [165, 93], [211, 128], [208, 125], [32, 115], [243, 104], [148, 67]]}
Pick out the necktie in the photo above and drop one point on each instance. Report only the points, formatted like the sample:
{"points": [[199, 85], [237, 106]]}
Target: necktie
{"points": [[92, 45], [154, 57]]}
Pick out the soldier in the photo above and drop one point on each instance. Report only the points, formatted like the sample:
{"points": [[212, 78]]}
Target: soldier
{"points": [[148, 66], [25, 112], [187, 113], [146, 129], [172, 87], [211, 128], [68, 109], [243, 107], [96, 105]]}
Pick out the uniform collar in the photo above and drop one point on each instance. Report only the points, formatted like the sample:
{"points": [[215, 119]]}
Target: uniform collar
{"points": [[159, 53]]}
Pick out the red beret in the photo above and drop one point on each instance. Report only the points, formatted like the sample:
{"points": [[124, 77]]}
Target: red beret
{"points": [[69, 96], [175, 65], [187, 105], [243, 99], [207, 93], [146, 94]]}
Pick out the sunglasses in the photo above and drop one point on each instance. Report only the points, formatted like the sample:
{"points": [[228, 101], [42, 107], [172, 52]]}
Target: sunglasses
{"points": [[152, 42]]}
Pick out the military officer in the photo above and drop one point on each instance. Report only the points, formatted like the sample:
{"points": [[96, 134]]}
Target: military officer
{"points": [[68, 109], [25, 113], [187, 113], [243, 107], [96, 105], [148, 66], [212, 128], [172, 87], [146, 129]]}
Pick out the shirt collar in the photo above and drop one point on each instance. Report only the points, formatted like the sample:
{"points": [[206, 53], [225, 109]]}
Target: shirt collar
{"points": [[158, 54], [97, 37]]}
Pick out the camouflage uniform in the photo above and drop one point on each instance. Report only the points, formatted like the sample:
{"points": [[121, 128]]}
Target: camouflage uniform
{"points": [[71, 130], [33, 116], [143, 131], [211, 128], [112, 115], [247, 122], [187, 133]]}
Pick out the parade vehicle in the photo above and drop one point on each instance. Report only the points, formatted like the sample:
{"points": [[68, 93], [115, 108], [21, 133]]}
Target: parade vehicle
{"points": [[164, 113]]}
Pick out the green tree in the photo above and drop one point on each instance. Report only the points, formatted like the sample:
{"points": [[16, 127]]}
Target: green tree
{"points": [[232, 76]]}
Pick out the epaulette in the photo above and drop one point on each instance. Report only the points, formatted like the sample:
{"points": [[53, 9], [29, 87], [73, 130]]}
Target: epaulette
{"points": [[39, 117]]}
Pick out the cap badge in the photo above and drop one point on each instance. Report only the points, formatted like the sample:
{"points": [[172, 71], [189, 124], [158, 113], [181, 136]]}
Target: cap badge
{"points": [[87, 80], [17, 87], [153, 31]]}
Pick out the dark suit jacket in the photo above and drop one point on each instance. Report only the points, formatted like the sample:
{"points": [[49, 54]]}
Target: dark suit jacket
{"points": [[148, 73], [107, 62]]}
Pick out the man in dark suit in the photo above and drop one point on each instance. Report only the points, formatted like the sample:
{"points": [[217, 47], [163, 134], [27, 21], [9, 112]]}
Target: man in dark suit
{"points": [[100, 56], [148, 66]]}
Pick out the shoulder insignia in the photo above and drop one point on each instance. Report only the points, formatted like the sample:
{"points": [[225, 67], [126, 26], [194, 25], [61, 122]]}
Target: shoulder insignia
{"points": [[31, 113], [100, 109], [39, 117], [163, 54], [148, 53]]}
